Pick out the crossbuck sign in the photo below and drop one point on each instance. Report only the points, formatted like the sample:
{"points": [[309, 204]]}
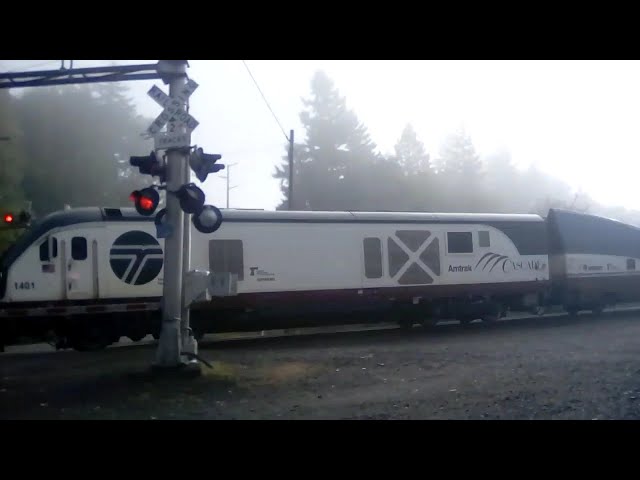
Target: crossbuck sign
{"points": [[173, 114]]}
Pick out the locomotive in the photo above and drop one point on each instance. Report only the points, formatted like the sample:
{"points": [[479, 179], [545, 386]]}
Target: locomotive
{"points": [[86, 277]]}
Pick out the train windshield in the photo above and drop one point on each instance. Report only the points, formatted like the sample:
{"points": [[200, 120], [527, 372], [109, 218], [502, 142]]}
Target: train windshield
{"points": [[20, 245]]}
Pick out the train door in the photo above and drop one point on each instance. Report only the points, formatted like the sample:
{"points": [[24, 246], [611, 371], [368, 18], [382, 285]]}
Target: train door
{"points": [[79, 260], [48, 257]]}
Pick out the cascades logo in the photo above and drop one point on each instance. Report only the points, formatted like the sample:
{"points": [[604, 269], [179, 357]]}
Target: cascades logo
{"points": [[136, 258], [492, 260]]}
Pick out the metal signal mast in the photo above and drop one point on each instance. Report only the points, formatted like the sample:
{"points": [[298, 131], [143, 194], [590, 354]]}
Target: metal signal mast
{"points": [[177, 346]]}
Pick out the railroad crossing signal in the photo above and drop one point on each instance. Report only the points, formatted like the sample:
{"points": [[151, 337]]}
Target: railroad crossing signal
{"points": [[191, 198], [149, 165], [146, 200], [206, 218], [204, 163], [11, 220], [183, 197], [174, 116]]}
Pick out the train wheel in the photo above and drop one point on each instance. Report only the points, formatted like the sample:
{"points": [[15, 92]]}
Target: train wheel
{"points": [[429, 322], [492, 318], [87, 344], [89, 339], [572, 310], [197, 334], [136, 337], [493, 313], [405, 324]]}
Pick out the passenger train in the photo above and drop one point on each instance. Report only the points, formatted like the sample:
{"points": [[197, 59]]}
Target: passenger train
{"points": [[86, 277]]}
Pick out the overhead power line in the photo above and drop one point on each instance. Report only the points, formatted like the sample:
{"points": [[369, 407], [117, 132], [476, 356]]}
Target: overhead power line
{"points": [[265, 101]]}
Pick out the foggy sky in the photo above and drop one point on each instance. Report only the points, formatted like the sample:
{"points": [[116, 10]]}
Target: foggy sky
{"points": [[577, 120]]}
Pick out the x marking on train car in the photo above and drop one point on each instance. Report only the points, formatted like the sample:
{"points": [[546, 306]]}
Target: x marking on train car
{"points": [[414, 257]]}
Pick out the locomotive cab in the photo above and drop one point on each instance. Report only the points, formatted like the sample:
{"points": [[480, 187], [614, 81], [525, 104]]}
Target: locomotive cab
{"points": [[51, 265], [75, 266]]}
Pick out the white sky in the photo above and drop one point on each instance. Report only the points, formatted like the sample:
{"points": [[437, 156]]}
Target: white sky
{"points": [[578, 120]]}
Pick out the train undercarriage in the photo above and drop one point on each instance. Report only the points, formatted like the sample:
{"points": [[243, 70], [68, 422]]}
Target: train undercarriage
{"points": [[98, 331]]}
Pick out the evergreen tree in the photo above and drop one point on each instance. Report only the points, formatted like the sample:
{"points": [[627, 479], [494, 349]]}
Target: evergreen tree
{"points": [[331, 163], [410, 153], [459, 172], [78, 140], [458, 157], [11, 165]]}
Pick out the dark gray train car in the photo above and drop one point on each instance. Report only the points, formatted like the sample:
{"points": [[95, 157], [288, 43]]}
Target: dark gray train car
{"points": [[595, 261]]}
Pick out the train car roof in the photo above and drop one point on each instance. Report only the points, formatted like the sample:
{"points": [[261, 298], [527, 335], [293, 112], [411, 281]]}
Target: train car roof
{"points": [[104, 214], [80, 215], [239, 215], [576, 232]]}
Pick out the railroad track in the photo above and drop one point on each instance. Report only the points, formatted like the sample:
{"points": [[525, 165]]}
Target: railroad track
{"points": [[227, 340]]}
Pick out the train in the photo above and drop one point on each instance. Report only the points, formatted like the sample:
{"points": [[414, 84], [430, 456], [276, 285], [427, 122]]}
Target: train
{"points": [[83, 278]]}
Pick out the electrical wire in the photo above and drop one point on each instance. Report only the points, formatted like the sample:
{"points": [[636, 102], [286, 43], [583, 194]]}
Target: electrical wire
{"points": [[265, 101]]}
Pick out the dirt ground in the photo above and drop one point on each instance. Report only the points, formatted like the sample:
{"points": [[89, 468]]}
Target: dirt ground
{"points": [[538, 368]]}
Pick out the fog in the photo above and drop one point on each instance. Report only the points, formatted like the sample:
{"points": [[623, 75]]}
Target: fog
{"points": [[573, 120]]}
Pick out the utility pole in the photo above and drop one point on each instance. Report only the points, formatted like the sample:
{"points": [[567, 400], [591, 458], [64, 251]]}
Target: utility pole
{"points": [[291, 170], [227, 176]]}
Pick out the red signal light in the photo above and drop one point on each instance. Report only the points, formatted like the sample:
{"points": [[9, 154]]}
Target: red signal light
{"points": [[145, 200], [8, 218], [146, 203]]}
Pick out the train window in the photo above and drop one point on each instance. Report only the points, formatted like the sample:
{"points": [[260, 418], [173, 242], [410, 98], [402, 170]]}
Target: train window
{"points": [[459, 242], [79, 248], [372, 257], [483, 239], [48, 249], [631, 263], [44, 251], [226, 256]]}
